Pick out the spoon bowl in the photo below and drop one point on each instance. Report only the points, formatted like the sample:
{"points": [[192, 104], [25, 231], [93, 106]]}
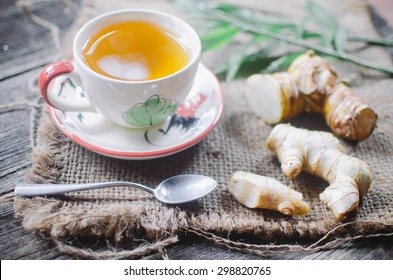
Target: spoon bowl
{"points": [[174, 190], [184, 188]]}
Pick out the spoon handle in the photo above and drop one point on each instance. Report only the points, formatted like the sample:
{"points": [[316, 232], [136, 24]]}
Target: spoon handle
{"points": [[47, 189]]}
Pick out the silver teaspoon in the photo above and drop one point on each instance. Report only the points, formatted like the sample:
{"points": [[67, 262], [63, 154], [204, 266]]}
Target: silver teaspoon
{"points": [[174, 190]]}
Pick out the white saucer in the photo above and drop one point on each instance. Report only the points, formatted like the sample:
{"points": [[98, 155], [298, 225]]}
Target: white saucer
{"points": [[193, 120]]}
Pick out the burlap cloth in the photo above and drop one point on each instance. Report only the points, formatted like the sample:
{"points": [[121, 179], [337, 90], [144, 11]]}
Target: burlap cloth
{"points": [[134, 224]]}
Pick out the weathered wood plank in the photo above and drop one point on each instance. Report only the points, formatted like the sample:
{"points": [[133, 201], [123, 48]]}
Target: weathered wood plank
{"points": [[15, 154], [24, 43], [17, 103], [197, 248], [19, 244], [14, 132]]}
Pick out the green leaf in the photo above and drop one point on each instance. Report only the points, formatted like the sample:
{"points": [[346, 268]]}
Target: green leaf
{"points": [[372, 41], [340, 39], [236, 59], [321, 16], [219, 37], [248, 68], [250, 64], [228, 8], [254, 17], [251, 21], [282, 63], [325, 21], [264, 52], [221, 25], [277, 28], [327, 38], [307, 35]]}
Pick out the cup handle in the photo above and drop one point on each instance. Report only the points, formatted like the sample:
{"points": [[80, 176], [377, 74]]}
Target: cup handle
{"points": [[48, 74]]}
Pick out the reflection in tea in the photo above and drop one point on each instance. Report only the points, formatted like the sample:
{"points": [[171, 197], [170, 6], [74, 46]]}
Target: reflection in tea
{"points": [[134, 51]]}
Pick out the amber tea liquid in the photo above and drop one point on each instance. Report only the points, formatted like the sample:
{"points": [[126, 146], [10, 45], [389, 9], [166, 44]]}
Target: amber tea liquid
{"points": [[134, 51]]}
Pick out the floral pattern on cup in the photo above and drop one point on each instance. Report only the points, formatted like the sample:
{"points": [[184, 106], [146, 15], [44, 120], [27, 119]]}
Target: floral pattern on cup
{"points": [[152, 112]]}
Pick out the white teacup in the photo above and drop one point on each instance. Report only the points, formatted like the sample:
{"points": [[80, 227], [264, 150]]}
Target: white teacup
{"points": [[127, 103]]}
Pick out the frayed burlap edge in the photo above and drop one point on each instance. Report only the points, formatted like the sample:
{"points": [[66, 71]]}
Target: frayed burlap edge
{"points": [[39, 215]]}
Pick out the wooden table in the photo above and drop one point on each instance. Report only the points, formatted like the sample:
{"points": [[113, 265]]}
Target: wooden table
{"points": [[26, 45]]}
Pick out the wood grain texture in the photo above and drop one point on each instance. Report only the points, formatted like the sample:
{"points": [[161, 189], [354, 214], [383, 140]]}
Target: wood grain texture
{"points": [[25, 43], [28, 47]]}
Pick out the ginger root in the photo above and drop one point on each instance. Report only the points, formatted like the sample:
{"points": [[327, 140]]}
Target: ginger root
{"points": [[321, 154], [256, 191], [311, 85]]}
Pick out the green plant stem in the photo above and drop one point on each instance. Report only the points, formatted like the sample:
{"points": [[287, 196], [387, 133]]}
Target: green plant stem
{"points": [[375, 41], [298, 42]]}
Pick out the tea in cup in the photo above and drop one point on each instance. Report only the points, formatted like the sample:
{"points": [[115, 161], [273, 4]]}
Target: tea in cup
{"points": [[135, 67], [135, 51]]}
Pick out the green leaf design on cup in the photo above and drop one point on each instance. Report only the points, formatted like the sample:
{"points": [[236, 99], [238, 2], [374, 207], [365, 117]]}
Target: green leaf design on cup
{"points": [[152, 112]]}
